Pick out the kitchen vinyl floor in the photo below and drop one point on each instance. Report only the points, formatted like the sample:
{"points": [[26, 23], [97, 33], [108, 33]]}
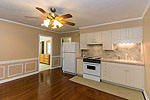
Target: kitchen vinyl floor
{"points": [[50, 85]]}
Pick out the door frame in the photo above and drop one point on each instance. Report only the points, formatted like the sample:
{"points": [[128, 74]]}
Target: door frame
{"points": [[61, 57], [51, 55]]}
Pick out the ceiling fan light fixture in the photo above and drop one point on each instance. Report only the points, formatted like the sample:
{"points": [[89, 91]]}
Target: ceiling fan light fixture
{"points": [[57, 24], [46, 23]]}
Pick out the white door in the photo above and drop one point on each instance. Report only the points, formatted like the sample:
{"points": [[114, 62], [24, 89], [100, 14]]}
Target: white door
{"points": [[69, 62]]}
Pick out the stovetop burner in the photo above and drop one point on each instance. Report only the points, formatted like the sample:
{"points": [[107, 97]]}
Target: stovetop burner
{"points": [[92, 60]]}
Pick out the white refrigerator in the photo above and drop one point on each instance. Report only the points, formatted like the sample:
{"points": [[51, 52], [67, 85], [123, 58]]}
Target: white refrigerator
{"points": [[70, 53]]}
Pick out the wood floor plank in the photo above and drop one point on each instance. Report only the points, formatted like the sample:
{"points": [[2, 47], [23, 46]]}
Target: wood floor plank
{"points": [[50, 85]]}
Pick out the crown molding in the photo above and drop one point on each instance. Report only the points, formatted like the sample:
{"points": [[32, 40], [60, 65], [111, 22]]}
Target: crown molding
{"points": [[70, 31], [14, 22], [146, 8], [132, 19], [145, 95], [18, 61]]}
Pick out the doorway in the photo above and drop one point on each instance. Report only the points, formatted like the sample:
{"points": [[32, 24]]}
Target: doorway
{"points": [[45, 52], [64, 39]]}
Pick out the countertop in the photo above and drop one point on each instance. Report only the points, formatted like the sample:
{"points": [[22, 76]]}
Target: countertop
{"points": [[79, 57], [140, 63]]}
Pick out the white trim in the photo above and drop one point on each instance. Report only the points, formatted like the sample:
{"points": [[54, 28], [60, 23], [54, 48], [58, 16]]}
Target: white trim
{"points": [[56, 56], [56, 67], [17, 61], [145, 95], [31, 70], [14, 22], [51, 55], [146, 8], [18, 77], [70, 31], [3, 72], [133, 19], [15, 74]]}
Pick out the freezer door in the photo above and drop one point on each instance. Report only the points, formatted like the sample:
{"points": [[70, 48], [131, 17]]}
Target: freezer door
{"points": [[69, 62], [69, 47]]}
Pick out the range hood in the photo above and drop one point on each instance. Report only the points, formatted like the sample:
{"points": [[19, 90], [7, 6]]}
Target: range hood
{"points": [[95, 43]]}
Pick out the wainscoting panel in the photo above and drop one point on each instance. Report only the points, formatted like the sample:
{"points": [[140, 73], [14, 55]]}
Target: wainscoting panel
{"points": [[15, 70], [30, 67], [2, 72], [10, 70], [56, 61]]}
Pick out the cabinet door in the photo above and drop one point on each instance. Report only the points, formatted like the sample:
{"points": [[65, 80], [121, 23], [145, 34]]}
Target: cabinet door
{"points": [[80, 66], [106, 71], [90, 37], [98, 37], [116, 36], [83, 41], [107, 40], [135, 78], [118, 75], [137, 34], [127, 35]]}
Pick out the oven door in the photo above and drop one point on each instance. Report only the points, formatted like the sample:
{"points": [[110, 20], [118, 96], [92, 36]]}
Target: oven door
{"points": [[91, 69]]}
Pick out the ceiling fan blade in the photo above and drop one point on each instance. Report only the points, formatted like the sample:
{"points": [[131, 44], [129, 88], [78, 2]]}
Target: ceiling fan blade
{"points": [[66, 22], [44, 12], [41, 10], [34, 17], [64, 16]]}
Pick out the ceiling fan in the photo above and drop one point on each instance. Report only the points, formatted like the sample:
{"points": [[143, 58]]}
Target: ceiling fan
{"points": [[53, 19]]}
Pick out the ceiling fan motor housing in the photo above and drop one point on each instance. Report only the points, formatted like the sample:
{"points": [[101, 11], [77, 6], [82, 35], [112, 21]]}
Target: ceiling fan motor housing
{"points": [[53, 10]]}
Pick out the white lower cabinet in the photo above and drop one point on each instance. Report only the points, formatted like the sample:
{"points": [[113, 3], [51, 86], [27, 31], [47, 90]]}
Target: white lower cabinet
{"points": [[80, 66], [135, 78], [123, 74], [106, 71], [117, 74]]}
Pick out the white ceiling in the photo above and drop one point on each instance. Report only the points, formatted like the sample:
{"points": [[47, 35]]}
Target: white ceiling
{"points": [[85, 12]]}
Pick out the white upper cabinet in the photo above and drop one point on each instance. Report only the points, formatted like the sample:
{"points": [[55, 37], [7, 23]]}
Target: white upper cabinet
{"points": [[98, 37], [94, 37], [83, 41], [128, 35], [107, 40]]}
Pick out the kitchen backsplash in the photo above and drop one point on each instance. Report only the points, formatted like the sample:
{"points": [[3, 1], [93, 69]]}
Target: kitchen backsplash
{"points": [[123, 52]]}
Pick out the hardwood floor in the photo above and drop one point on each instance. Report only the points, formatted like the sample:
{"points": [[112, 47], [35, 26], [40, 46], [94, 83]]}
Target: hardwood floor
{"points": [[50, 85]]}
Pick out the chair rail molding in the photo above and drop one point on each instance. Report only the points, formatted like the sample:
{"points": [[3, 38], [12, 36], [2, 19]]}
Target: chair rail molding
{"points": [[17, 61]]}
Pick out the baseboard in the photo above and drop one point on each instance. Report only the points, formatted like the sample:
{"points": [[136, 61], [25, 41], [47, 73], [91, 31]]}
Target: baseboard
{"points": [[18, 77], [56, 67], [145, 95], [137, 89]]}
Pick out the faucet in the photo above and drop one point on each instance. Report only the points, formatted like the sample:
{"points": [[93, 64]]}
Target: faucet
{"points": [[126, 57]]}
